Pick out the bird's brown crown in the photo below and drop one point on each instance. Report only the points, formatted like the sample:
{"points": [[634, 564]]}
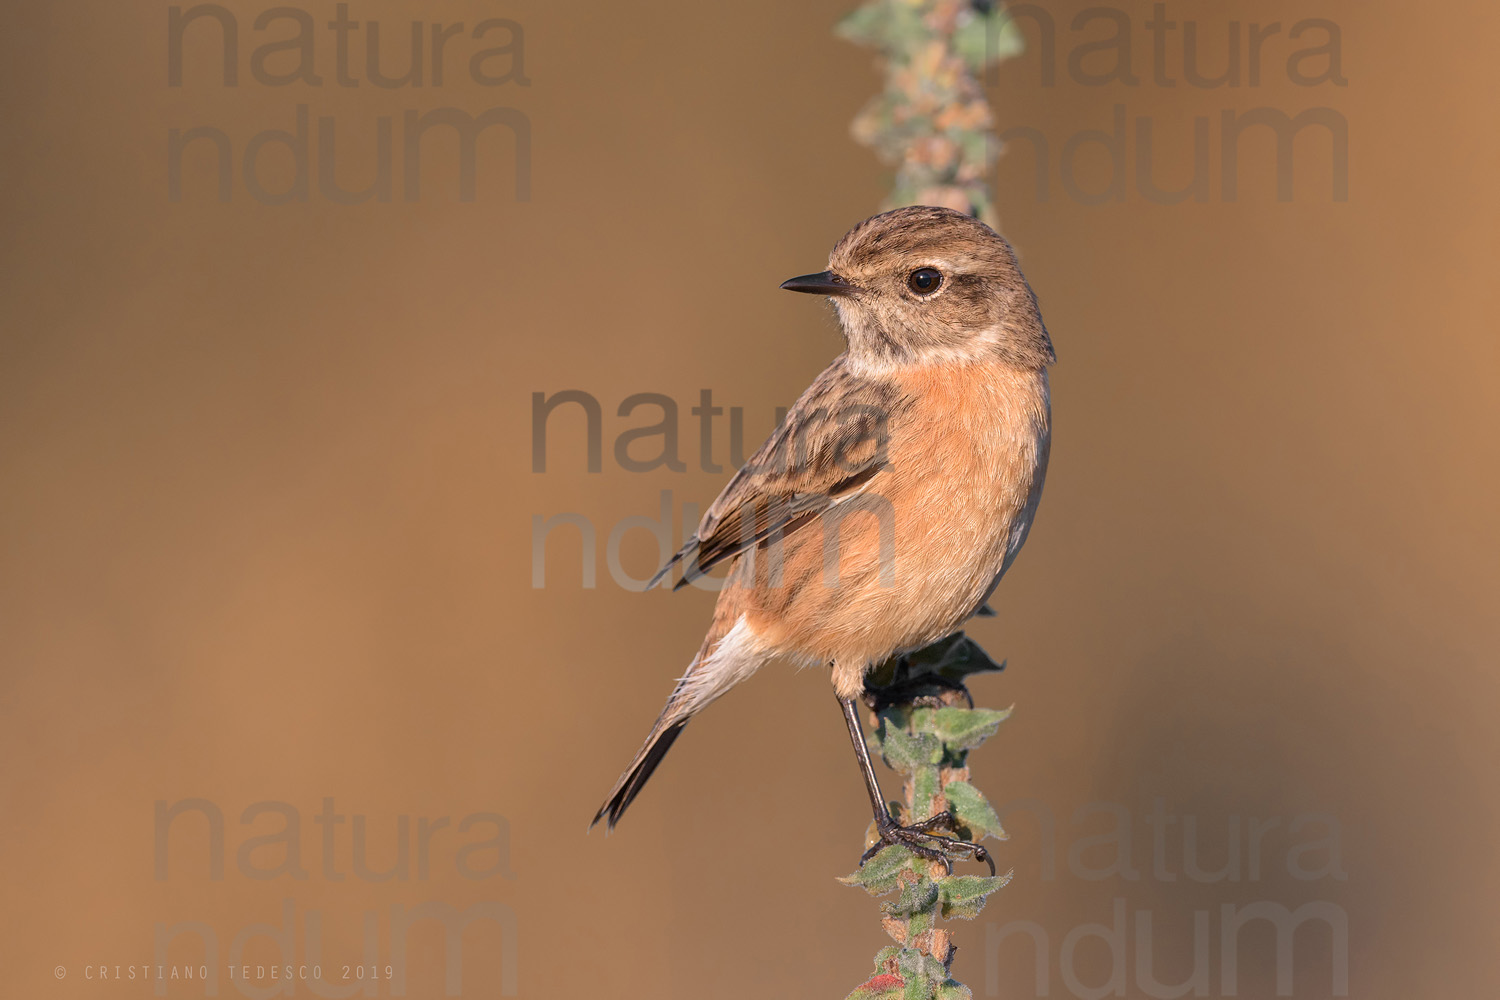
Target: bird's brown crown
{"points": [[931, 285]]}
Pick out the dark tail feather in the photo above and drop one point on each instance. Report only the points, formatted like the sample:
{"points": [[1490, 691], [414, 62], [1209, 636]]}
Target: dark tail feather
{"points": [[633, 780], [687, 698]]}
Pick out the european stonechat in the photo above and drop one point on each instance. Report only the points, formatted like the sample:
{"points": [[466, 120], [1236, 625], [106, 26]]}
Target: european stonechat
{"points": [[883, 511]]}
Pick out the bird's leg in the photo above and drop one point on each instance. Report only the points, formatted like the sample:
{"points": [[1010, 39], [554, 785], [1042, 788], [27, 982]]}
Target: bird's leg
{"points": [[917, 838]]}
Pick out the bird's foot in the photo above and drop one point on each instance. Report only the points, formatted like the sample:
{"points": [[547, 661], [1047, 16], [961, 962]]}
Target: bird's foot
{"points": [[921, 841]]}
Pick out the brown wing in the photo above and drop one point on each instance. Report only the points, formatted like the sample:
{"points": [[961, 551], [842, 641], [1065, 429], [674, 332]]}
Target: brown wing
{"points": [[832, 442]]}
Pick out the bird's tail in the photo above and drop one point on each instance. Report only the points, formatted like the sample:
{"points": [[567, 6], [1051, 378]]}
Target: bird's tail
{"points": [[729, 655]]}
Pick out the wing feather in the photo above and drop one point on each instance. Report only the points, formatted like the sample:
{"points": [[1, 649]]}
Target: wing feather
{"points": [[829, 447]]}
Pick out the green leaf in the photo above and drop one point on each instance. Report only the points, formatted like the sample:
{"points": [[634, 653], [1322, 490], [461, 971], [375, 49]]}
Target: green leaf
{"points": [[863, 26], [952, 990], [964, 895], [882, 873], [917, 967], [920, 895], [888, 27], [926, 784], [966, 728], [1009, 41], [983, 41], [919, 989], [904, 751], [973, 810], [972, 42]]}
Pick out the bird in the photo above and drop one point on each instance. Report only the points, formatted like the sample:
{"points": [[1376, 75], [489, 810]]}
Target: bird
{"points": [[884, 509]]}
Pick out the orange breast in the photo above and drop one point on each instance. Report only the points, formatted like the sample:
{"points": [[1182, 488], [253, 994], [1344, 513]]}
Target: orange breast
{"points": [[910, 557]]}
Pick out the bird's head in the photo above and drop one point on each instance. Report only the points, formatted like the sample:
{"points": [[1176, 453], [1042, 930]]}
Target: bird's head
{"points": [[926, 285]]}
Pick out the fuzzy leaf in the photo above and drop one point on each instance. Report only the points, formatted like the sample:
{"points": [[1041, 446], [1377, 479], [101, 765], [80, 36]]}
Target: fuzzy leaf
{"points": [[927, 785], [882, 873], [988, 39], [917, 967], [964, 895], [919, 989], [973, 810], [906, 752], [920, 895], [886, 27], [965, 728], [952, 990], [863, 26]]}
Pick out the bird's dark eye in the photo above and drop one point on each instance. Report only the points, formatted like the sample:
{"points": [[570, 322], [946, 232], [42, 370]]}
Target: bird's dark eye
{"points": [[924, 280]]}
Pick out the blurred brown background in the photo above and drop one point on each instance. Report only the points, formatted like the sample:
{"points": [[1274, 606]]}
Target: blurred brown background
{"points": [[268, 503]]}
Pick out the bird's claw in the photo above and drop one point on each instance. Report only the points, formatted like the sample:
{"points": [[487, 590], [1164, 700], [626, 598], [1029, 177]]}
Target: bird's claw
{"points": [[921, 841]]}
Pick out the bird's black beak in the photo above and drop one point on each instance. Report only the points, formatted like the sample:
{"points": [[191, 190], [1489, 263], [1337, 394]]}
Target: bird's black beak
{"points": [[822, 283]]}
